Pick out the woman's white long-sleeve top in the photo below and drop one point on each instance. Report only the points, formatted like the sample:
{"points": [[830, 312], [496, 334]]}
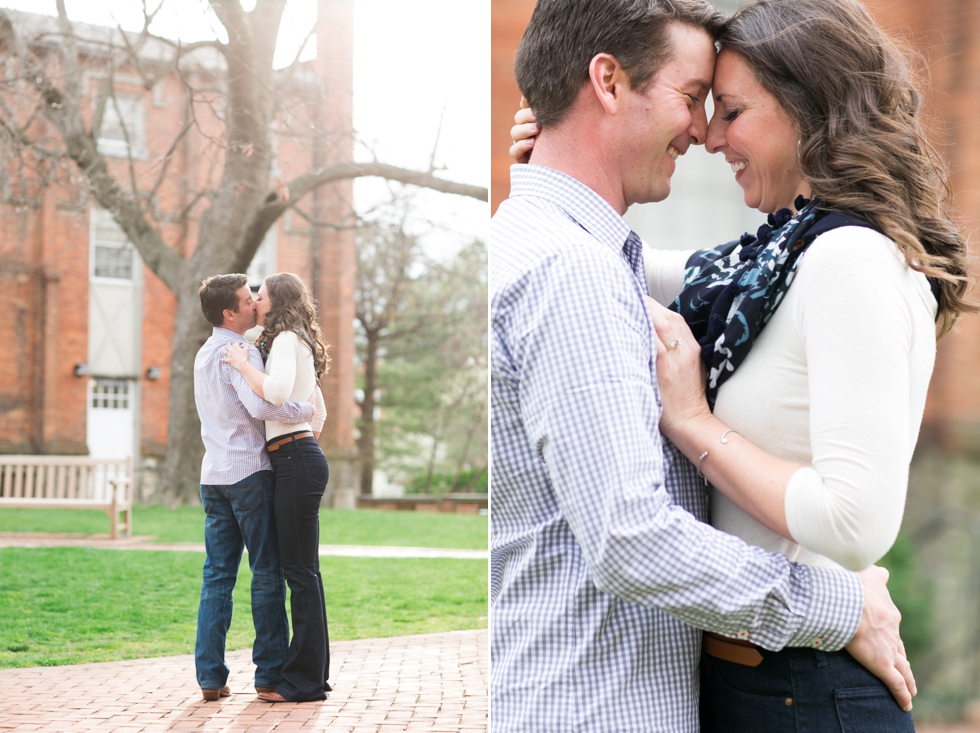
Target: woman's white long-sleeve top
{"points": [[290, 376], [836, 382]]}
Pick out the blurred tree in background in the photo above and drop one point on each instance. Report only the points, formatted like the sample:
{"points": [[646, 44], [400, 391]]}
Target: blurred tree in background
{"points": [[422, 349]]}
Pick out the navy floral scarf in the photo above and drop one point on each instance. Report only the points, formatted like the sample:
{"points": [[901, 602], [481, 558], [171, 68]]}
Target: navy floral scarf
{"points": [[732, 291]]}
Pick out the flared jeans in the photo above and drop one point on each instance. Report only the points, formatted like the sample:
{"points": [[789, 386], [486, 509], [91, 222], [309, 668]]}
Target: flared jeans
{"points": [[301, 473], [241, 515]]}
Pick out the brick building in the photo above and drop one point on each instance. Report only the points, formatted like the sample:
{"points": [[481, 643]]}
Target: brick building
{"points": [[943, 514], [89, 327]]}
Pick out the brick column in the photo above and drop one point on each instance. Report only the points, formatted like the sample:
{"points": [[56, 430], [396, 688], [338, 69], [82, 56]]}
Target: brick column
{"points": [[334, 258]]}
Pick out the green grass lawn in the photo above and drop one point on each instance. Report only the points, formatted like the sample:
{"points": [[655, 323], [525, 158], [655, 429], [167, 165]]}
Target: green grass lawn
{"points": [[337, 526], [76, 605]]}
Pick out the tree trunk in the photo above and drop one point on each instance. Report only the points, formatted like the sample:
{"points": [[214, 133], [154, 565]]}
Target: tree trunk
{"points": [[474, 424], [476, 477], [432, 464], [365, 444], [185, 451]]}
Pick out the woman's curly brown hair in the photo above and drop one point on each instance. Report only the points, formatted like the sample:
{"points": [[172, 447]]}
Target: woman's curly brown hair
{"points": [[293, 309], [851, 93]]}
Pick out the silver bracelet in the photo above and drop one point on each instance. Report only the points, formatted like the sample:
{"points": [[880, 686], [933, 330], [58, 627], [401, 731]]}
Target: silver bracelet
{"points": [[703, 456], [724, 439]]}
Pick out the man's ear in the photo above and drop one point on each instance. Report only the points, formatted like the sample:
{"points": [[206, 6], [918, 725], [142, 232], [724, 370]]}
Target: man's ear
{"points": [[609, 81], [228, 314]]}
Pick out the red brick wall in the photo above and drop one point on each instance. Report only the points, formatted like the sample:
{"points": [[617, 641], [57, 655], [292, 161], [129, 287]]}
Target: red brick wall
{"points": [[507, 18], [336, 267], [947, 35], [44, 299], [65, 260]]}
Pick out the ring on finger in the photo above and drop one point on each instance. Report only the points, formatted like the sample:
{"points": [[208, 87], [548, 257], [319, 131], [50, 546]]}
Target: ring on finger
{"points": [[674, 344]]}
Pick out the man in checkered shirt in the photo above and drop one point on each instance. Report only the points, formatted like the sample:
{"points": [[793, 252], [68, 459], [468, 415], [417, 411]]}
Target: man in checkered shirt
{"points": [[237, 494], [603, 572]]}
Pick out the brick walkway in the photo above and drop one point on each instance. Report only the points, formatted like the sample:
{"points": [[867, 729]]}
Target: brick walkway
{"points": [[433, 682]]}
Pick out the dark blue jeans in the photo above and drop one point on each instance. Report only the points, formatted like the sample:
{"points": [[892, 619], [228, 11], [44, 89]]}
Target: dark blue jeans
{"points": [[301, 476], [797, 691], [237, 516]]}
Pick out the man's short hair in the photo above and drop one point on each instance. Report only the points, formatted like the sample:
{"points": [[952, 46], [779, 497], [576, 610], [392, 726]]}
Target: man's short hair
{"points": [[552, 61], [219, 293]]}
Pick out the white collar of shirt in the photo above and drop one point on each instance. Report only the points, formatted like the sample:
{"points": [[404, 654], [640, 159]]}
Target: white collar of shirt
{"points": [[579, 202]]}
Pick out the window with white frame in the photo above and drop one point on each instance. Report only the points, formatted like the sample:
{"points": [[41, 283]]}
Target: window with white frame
{"points": [[124, 117], [264, 261], [112, 253], [109, 394]]}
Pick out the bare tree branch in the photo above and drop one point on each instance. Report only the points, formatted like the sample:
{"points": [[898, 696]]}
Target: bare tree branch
{"points": [[169, 155], [275, 204], [9, 123], [327, 224], [435, 145], [63, 111], [102, 96], [232, 17], [302, 47], [133, 185], [72, 84], [186, 212], [133, 49], [181, 52], [302, 185]]}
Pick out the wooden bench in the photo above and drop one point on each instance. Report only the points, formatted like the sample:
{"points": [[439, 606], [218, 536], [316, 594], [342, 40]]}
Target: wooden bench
{"points": [[70, 482]]}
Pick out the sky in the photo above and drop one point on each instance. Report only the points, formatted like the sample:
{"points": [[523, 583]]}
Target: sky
{"points": [[414, 63]]}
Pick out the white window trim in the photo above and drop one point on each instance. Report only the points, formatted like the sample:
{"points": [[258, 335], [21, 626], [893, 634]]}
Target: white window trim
{"points": [[127, 395], [271, 245], [118, 148], [136, 261]]}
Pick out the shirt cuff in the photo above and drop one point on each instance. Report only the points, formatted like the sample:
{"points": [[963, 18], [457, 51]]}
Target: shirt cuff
{"points": [[836, 602], [307, 412]]}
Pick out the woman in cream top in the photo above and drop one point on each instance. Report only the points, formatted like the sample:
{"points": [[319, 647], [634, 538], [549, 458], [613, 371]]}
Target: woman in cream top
{"points": [[836, 384], [288, 374]]}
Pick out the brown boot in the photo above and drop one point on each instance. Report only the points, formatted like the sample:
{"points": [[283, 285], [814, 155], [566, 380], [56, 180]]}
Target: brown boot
{"points": [[271, 697], [215, 694]]}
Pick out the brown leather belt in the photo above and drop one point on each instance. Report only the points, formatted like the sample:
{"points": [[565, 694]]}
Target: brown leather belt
{"points": [[288, 439], [732, 650]]}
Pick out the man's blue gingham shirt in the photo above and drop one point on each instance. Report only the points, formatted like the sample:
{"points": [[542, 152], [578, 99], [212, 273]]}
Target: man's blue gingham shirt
{"points": [[599, 571], [232, 414]]}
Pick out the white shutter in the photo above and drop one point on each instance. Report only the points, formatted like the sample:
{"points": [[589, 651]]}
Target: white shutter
{"points": [[114, 291]]}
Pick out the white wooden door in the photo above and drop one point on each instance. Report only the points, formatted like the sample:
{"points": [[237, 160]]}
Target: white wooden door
{"points": [[114, 328], [111, 418]]}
